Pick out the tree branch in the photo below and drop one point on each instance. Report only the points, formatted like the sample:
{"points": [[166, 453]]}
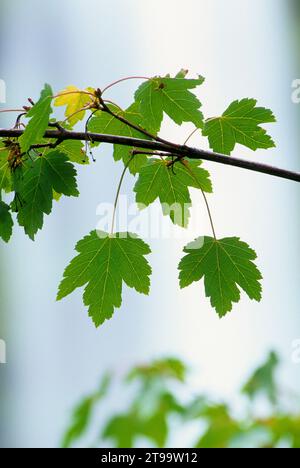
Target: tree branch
{"points": [[183, 151]]}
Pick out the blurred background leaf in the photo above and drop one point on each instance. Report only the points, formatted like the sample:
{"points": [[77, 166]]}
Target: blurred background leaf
{"points": [[83, 413], [155, 401], [263, 380]]}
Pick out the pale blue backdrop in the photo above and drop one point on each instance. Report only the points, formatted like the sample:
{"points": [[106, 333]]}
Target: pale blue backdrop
{"points": [[55, 355]]}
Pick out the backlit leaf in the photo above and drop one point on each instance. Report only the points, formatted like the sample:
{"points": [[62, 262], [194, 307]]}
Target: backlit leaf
{"points": [[74, 99], [34, 185], [240, 123], [171, 187], [105, 123], [172, 96], [5, 173], [74, 150], [102, 265], [39, 116], [6, 222], [226, 265]]}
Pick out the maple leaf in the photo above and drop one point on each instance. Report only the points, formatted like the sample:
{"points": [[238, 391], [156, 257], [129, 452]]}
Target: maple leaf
{"points": [[74, 150], [240, 123], [5, 173], [6, 222], [74, 99], [39, 116], [105, 123], [104, 262], [172, 96], [225, 264], [34, 186], [157, 180]]}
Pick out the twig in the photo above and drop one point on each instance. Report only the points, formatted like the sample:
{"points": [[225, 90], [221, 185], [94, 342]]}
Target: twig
{"points": [[189, 152]]}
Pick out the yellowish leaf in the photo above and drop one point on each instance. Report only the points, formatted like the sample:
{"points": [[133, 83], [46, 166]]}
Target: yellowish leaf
{"points": [[74, 99]]}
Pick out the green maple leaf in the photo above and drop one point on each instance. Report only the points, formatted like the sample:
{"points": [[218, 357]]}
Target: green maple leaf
{"points": [[157, 180], [74, 150], [6, 222], [5, 173], [172, 96], [39, 116], [104, 262], [240, 123], [225, 264], [105, 123], [34, 186]]}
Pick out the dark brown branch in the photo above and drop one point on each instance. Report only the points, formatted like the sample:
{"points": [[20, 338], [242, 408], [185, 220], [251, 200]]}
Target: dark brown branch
{"points": [[185, 151], [105, 108]]}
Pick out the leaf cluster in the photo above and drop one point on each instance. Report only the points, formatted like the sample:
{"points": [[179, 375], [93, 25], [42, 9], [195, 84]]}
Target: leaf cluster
{"points": [[36, 171]]}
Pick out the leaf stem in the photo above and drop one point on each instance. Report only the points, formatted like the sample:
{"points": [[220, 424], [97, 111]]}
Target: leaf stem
{"points": [[124, 79], [113, 103], [190, 135], [209, 214], [105, 108], [11, 110], [186, 165], [118, 195], [89, 140]]}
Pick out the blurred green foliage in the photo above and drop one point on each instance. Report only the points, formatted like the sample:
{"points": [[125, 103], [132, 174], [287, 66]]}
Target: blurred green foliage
{"points": [[263, 380], [160, 404]]}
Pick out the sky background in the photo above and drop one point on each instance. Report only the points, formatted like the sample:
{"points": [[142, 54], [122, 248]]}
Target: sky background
{"points": [[244, 48]]}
